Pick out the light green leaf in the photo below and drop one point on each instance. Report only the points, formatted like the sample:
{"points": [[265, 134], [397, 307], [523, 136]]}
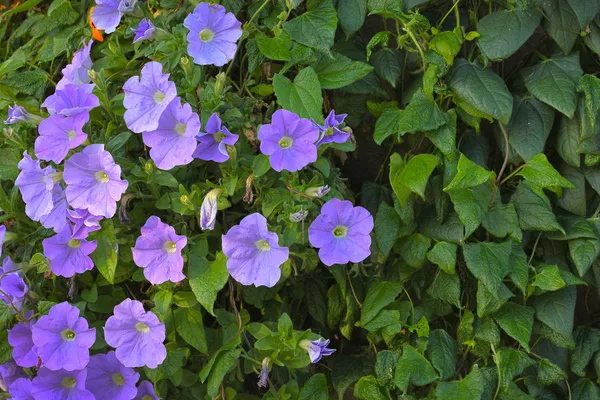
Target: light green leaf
{"points": [[367, 388], [315, 28], [443, 254], [191, 328], [385, 366], [207, 279], [446, 44], [590, 86], [469, 175], [471, 205], [387, 124], [315, 388], [549, 373], [446, 287], [414, 249], [548, 278], [379, 295], [412, 177], [488, 262], [275, 48], [470, 387], [534, 209], [541, 173], [413, 368], [444, 137], [512, 364], [9, 159], [517, 321], [105, 256], [303, 96], [340, 71]]}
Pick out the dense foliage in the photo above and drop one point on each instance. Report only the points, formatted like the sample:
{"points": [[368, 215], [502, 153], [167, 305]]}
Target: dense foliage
{"points": [[473, 134]]}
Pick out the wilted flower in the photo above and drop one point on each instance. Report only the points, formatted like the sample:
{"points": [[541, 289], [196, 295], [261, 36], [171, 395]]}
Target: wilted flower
{"points": [[213, 142], [107, 13], [61, 385], [145, 391], [253, 253], [174, 140], [289, 140], [158, 251], [69, 255], [94, 181], [341, 233], [108, 379], [317, 191], [213, 34], [137, 335], [146, 98], [57, 217], [263, 377], [72, 100], [317, 349], [36, 186], [2, 234], [330, 131], [208, 211], [58, 135], [19, 114], [144, 31], [76, 73], [21, 389], [9, 373], [298, 216], [19, 337], [84, 222], [63, 338]]}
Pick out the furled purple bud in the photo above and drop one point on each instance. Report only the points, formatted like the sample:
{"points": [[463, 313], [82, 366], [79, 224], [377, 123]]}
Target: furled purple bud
{"points": [[318, 192], [208, 211], [298, 216], [18, 113]]}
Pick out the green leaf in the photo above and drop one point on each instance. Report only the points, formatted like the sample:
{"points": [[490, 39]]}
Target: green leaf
{"points": [[351, 14], [275, 48], [564, 19], [446, 287], [573, 200], [348, 370], [446, 44], [471, 205], [554, 81], [9, 159], [386, 8], [517, 321], [441, 349], [413, 368], [512, 363], [548, 278], [471, 387], [387, 228], [502, 220], [488, 262], [367, 388], [340, 71], [443, 254], [379, 295], [590, 86], [6, 314], [513, 26], [387, 124], [481, 90], [191, 328], [388, 65], [315, 388], [315, 28], [224, 362], [5, 347], [541, 173], [534, 209], [529, 126], [303, 96], [207, 279], [469, 175], [377, 39], [557, 311], [412, 177], [549, 373], [385, 366], [568, 140], [585, 389], [105, 256], [316, 301], [260, 165], [29, 82], [587, 343], [584, 252], [414, 249]]}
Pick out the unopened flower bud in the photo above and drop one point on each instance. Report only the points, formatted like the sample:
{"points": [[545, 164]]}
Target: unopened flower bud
{"points": [[263, 377], [220, 82], [148, 167], [20, 114], [185, 64], [318, 191], [298, 216], [208, 211]]}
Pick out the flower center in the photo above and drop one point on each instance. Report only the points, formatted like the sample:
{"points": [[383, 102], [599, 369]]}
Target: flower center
{"points": [[328, 132], [180, 129], [71, 135], [102, 177], [142, 327], [118, 379], [206, 35], [68, 335], [74, 243], [286, 142], [158, 97], [68, 382], [262, 245], [219, 136], [170, 247], [340, 231]]}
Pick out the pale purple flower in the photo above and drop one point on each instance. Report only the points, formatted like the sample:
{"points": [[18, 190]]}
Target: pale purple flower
{"points": [[107, 13], [18, 113], [263, 377], [21, 389], [214, 142], [36, 186], [72, 100], [69, 255], [208, 210], [147, 97], [330, 131], [289, 140], [63, 338], [108, 379], [158, 251], [317, 349], [61, 385], [10, 372], [19, 337], [58, 135], [213, 34], [2, 234], [76, 73], [84, 222], [253, 253], [144, 31], [94, 181], [173, 142], [341, 233], [146, 391], [57, 218], [136, 334], [12, 284]]}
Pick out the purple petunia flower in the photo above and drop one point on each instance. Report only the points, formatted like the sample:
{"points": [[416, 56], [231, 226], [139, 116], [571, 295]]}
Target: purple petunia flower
{"points": [[57, 218], [72, 100], [289, 140], [59, 134], [147, 97], [330, 131], [213, 142], [21, 389], [317, 349], [213, 34], [173, 141], [94, 181], [9, 373], [341, 233], [253, 253], [144, 31], [158, 251], [36, 186], [76, 73], [63, 338], [108, 379], [107, 13], [19, 337], [18, 113], [84, 222], [145, 391], [12, 284], [137, 335], [61, 385], [69, 255]]}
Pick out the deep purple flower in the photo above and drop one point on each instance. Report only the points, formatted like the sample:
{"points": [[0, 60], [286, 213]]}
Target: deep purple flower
{"points": [[63, 338], [208, 210], [57, 218], [69, 255], [19, 337], [214, 142], [94, 181], [146, 391], [59, 134], [10, 372], [330, 131], [84, 222], [76, 73], [147, 97], [158, 251], [21, 389], [61, 385], [107, 13], [18, 113], [144, 31], [289, 140], [253, 253], [213, 34], [173, 142], [341, 233], [36, 186], [108, 379], [2, 234], [317, 349], [72, 100], [137, 335]]}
